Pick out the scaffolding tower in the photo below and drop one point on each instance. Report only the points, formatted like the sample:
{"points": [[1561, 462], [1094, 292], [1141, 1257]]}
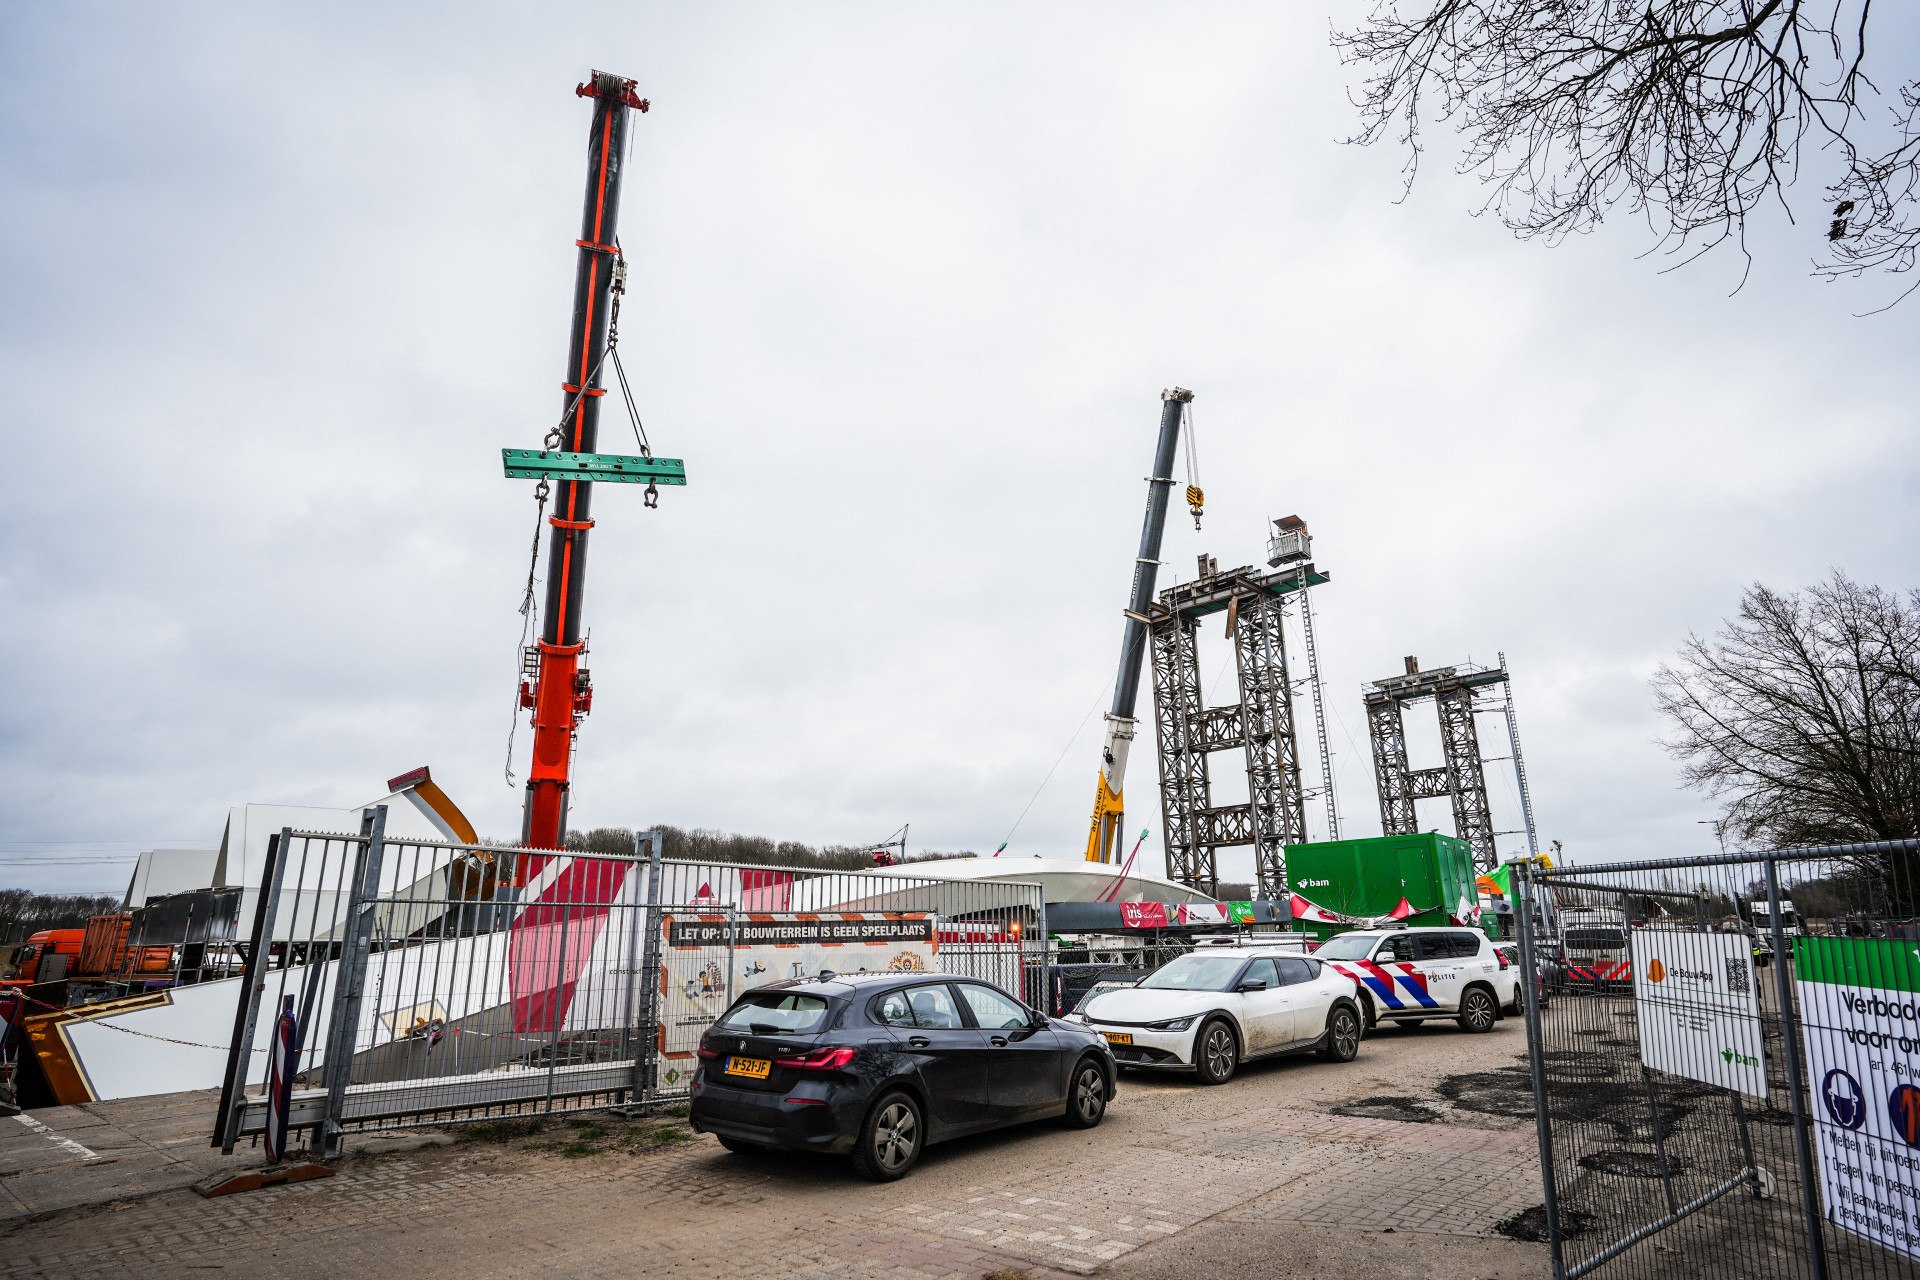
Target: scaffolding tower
{"points": [[1462, 778], [1260, 725]]}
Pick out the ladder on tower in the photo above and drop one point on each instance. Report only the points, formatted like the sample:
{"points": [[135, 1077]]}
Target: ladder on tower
{"points": [[1519, 765], [1320, 715]]}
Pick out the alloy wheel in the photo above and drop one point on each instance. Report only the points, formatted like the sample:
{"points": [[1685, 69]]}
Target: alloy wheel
{"points": [[1220, 1051], [896, 1136], [1478, 1013], [1346, 1035], [1089, 1093]]}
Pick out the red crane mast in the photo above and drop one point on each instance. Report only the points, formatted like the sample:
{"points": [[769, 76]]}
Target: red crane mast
{"points": [[561, 692]]}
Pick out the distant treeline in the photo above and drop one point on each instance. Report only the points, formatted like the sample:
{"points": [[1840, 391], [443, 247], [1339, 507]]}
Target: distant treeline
{"points": [[701, 845], [24, 913]]}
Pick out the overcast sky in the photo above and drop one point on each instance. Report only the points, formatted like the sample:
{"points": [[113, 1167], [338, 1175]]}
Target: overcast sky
{"points": [[276, 286]]}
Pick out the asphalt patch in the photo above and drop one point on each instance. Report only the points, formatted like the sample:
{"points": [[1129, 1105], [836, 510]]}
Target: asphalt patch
{"points": [[1632, 1164], [1531, 1224], [1389, 1107], [1507, 1092]]}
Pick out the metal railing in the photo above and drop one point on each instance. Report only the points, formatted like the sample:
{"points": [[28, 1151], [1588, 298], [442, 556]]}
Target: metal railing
{"points": [[433, 983], [1724, 1057]]}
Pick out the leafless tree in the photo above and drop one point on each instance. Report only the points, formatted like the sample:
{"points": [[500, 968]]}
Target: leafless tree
{"points": [[1692, 113], [1803, 715]]}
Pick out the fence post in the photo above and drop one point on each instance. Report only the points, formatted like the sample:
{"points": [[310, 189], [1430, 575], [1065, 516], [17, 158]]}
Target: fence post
{"points": [[1789, 1038], [233, 1090], [628, 1023], [1536, 1063], [556, 1006], [646, 1062], [1045, 970], [1660, 1142], [350, 979]]}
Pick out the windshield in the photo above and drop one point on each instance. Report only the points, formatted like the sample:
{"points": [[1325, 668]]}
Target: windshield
{"points": [[1195, 973], [1596, 939], [1348, 946], [771, 1013]]}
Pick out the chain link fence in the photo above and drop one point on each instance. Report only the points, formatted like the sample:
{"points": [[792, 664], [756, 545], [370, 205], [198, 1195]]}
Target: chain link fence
{"points": [[1726, 1072]]}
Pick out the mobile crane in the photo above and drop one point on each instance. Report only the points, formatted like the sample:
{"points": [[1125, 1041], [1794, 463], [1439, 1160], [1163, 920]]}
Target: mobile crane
{"points": [[1109, 803], [556, 688]]}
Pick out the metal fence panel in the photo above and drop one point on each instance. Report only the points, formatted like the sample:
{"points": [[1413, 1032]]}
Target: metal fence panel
{"points": [[436, 982], [1725, 1060]]}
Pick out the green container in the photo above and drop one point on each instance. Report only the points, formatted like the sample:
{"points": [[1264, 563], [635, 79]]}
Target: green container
{"points": [[1369, 877]]}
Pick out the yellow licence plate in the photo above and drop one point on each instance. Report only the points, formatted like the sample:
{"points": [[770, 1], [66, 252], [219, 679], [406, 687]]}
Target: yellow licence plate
{"points": [[1117, 1037], [752, 1068]]}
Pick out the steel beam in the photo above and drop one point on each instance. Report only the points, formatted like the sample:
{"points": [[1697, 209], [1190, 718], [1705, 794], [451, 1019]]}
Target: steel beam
{"points": [[1387, 735], [1272, 751], [1472, 815]]}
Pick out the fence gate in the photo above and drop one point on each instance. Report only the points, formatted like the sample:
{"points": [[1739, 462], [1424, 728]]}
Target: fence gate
{"points": [[431, 983], [1724, 1056]]}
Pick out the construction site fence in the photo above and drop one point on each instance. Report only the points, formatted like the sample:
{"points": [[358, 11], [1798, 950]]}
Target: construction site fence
{"points": [[393, 983], [1724, 1062]]}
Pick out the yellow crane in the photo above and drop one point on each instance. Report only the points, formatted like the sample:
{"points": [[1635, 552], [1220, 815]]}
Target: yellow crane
{"points": [[1109, 801]]}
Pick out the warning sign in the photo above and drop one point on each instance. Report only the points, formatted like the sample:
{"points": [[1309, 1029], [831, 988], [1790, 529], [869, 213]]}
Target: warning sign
{"points": [[1860, 1019], [710, 959]]}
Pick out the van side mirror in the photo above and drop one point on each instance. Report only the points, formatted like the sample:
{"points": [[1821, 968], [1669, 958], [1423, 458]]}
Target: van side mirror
{"points": [[1252, 984]]}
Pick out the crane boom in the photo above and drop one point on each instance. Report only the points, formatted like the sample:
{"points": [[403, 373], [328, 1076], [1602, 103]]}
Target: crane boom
{"points": [[1109, 805], [561, 693]]}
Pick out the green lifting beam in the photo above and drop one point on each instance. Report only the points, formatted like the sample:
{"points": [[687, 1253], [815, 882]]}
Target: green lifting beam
{"points": [[602, 468]]}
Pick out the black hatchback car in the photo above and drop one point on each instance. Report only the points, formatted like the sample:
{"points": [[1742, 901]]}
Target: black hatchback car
{"points": [[878, 1066]]}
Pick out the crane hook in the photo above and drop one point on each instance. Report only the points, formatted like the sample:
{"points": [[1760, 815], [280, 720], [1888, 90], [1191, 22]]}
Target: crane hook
{"points": [[1196, 502]]}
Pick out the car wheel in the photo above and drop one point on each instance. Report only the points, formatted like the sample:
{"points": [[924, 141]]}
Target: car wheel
{"points": [[1343, 1035], [1478, 1012], [890, 1139], [1087, 1095], [1215, 1053], [740, 1148]]}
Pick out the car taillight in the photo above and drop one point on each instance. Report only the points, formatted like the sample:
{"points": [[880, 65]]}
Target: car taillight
{"points": [[708, 1054], [820, 1060], [1504, 963]]}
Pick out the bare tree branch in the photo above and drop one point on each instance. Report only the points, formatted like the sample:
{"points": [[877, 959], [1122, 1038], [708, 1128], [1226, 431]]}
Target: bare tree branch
{"points": [[1691, 113]]}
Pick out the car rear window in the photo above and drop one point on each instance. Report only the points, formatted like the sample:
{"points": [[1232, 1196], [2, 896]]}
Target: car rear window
{"points": [[1596, 939], [1449, 946], [775, 1013]]}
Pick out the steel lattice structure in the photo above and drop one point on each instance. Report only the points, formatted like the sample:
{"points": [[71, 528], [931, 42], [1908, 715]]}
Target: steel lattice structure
{"points": [[1261, 726], [1462, 778]]}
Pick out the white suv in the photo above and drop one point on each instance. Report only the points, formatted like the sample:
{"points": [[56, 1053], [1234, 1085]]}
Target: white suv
{"points": [[1213, 1008], [1410, 975]]}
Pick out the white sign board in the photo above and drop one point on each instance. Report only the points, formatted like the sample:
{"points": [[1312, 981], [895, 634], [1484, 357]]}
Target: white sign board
{"points": [[1860, 1020], [1699, 1008], [709, 960]]}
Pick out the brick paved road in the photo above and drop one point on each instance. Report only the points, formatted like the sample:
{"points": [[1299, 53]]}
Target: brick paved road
{"points": [[1176, 1171]]}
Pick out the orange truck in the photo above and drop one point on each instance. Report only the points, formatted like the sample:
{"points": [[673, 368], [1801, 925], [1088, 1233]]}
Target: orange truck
{"points": [[96, 952], [49, 952]]}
